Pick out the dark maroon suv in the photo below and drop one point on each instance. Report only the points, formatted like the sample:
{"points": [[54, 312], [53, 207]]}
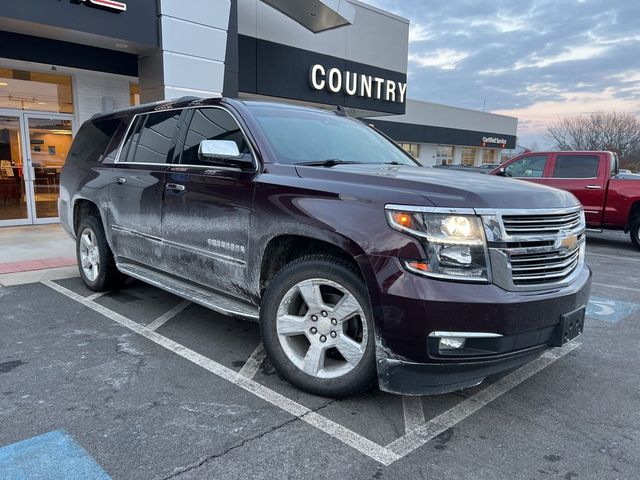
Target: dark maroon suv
{"points": [[358, 263]]}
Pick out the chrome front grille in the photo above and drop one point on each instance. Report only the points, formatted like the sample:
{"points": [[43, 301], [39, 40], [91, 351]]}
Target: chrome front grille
{"points": [[534, 249], [544, 267], [541, 224]]}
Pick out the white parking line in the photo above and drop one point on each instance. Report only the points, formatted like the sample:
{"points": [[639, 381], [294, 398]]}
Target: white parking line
{"points": [[250, 368], [349, 437], [434, 427], [413, 413], [620, 257], [92, 297], [384, 455], [617, 287], [162, 319]]}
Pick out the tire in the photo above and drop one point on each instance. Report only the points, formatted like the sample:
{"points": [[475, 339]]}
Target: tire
{"points": [[635, 232], [95, 259], [309, 347]]}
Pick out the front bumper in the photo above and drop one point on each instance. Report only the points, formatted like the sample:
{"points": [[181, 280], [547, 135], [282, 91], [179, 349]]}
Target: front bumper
{"points": [[408, 378], [410, 307]]}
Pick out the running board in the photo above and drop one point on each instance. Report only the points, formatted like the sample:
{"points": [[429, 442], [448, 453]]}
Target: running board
{"points": [[214, 301], [594, 230]]}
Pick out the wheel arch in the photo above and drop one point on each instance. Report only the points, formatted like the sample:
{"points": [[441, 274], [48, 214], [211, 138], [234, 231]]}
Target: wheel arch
{"points": [[84, 207], [284, 248]]}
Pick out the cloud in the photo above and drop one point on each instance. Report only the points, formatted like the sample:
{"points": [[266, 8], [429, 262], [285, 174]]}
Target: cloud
{"points": [[570, 54], [418, 33], [537, 116], [628, 76], [536, 59], [502, 22], [445, 58]]}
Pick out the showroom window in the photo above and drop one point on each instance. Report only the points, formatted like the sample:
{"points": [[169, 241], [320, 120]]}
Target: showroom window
{"points": [[24, 90], [412, 148], [489, 156], [134, 94], [469, 156], [444, 155]]}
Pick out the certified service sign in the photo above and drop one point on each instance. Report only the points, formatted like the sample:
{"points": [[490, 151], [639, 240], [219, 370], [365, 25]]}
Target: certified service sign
{"points": [[502, 142], [110, 4]]}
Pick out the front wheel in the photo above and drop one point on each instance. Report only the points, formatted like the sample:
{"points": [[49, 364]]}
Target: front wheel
{"points": [[635, 232], [317, 327]]}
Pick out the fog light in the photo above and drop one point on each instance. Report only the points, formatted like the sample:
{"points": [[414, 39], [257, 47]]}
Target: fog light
{"points": [[451, 343]]}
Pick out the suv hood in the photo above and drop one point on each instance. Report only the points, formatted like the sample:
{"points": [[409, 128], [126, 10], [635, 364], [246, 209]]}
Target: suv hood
{"points": [[446, 188]]}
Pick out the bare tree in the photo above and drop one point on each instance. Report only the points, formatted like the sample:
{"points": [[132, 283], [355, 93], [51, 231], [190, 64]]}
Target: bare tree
{"points": [[617, 132]]}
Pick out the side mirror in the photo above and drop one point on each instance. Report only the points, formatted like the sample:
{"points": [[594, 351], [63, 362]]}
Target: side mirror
{"points": [[501, 172], [211, 150]]}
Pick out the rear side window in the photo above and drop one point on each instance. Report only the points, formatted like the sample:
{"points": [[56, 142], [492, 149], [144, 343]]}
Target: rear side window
{"points": [[92, 140], [111, 152], [576, 166], [527, 167], [151, 138]]}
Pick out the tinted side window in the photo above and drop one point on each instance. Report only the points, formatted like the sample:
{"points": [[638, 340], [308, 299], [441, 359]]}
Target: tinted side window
{"points": [[92, 140], [527, 167], [151, 139], [211, 124], [114, 144], [576, 166]]}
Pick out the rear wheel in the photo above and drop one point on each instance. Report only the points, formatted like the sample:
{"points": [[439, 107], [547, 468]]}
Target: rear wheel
{"points": [[95, 260], [635, 232], [317, 329]]}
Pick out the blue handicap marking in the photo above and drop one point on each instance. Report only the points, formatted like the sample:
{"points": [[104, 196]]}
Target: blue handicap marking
{"points": [[609, 310], [52, 456]]}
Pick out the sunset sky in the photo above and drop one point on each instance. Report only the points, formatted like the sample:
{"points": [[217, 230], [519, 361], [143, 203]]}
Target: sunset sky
{"points": [[534, 59]]}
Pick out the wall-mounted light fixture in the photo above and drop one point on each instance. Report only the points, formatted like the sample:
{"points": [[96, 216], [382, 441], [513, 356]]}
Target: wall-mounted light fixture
{"points": [[316, 15]]}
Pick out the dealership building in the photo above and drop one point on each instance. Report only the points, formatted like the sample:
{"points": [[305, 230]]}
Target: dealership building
{"points": [[63, 61]]}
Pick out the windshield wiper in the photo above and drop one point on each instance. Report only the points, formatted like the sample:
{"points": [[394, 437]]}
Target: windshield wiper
{"points": [[330, 162]]}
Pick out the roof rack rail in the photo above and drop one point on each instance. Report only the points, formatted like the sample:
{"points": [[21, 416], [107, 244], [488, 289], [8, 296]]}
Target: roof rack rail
{"points": [[186, 98], [340, 111]]}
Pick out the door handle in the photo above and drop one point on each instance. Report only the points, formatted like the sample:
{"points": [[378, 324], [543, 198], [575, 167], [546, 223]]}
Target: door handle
{"points": [[593, 187], [175, 187], [120, 180]]}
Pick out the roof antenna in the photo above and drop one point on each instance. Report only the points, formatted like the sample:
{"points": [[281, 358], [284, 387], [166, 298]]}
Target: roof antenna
{"points": [[340, 111]]}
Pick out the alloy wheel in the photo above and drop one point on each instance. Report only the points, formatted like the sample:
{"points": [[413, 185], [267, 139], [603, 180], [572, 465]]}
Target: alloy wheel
{"points": [[89, 255], [322, 328]]}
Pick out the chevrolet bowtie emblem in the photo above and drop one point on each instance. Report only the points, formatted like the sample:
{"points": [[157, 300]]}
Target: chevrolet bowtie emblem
{"points": [[569, 242]]}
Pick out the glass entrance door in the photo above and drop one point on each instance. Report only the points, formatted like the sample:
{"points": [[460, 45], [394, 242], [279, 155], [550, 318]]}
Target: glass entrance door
{"points": [[15, 197], [33, 148], [49, 140]]}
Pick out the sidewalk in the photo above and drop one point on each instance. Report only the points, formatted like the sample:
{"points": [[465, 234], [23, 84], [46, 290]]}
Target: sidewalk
{"points": [[35, 253]]}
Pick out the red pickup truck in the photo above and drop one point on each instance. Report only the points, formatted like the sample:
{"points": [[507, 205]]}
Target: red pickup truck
{"points": [[610, 201]]}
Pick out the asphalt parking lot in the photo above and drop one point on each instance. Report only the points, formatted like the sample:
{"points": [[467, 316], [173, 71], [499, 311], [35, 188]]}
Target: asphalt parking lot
{"points": [[139, 384]]}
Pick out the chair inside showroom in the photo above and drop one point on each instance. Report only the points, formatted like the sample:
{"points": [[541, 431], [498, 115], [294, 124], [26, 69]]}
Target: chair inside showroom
{"points": [[9, 183]]}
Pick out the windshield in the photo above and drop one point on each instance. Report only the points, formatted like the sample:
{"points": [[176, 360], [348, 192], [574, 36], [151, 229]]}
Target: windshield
{"points": [[302, 136]]}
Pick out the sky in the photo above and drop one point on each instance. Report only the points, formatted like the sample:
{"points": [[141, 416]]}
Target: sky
{"points": [[537, 60]]}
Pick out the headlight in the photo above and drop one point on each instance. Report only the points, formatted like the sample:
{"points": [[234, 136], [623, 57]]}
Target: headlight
{"points": [[455, 244]]}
